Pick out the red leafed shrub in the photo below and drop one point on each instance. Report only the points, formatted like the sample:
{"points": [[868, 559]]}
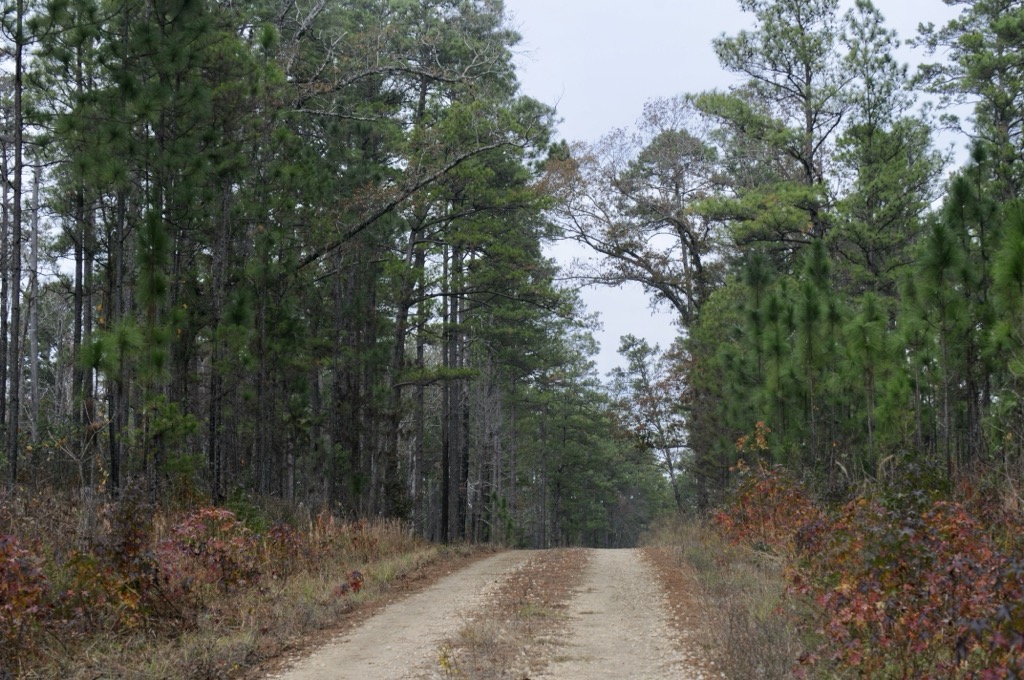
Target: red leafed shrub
{"points": [[210, 547], [284, 550], [23, 590], [994, 643], [96, 596], [770, 511], [915, 588], [353, 584], [899, 585]]}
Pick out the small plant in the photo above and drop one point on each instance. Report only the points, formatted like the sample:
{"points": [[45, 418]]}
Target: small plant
{"points": [[23, 591], [448, 662], [365, 542], [283, 550], [353, 584], [210, 547], [96, 597]]}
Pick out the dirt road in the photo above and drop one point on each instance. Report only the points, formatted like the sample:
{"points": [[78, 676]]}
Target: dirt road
{"points": [[619, 627], [616, 627]]}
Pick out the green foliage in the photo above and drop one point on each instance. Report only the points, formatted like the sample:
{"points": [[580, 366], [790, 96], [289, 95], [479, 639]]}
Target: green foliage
{"points": [[978, 65], [249, 513]]}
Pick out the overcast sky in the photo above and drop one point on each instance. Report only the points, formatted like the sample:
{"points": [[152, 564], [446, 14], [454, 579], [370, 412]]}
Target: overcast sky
{"points": [[600, 60]]}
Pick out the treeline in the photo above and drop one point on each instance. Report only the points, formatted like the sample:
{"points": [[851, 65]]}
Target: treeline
{"points": [[849, 309], [296, 253]]}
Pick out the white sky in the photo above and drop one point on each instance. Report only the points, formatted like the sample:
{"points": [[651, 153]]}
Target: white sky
{"points": [[600, 60]]}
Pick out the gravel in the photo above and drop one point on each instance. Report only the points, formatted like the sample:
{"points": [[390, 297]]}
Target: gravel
{"points": [[617, 627]]}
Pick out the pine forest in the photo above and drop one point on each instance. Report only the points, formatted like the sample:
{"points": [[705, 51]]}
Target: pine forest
{"points": [[291, 258]]}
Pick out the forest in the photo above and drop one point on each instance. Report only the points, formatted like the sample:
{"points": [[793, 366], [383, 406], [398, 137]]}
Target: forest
{"points": [[291, 251], [296, 251], [292, 254]]}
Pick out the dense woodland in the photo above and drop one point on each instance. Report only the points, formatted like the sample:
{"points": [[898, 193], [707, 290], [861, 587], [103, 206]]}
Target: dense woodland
{"points": [[294, 249], [851, 300]]}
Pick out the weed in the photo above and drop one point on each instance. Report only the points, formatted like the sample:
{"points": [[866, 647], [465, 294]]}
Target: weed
{"points": [[124, 589], [739, 611], [907, 585]]}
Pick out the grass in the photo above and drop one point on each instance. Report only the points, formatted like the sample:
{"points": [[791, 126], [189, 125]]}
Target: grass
{"points": [[740, 610], [219, 610]]}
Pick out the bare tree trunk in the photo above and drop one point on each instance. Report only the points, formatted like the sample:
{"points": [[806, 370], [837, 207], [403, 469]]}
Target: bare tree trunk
{"points": [[5, 292], [14, 354], [218, 267], [446, 401], [33, 310], [116, 392], [77, 322], [461, 410], [544, 479], [419, 445]]}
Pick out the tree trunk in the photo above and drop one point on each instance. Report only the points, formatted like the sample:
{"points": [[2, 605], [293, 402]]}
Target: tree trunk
{"points": [[33, 311], [419, 432], [446, 401], [14, 350]]}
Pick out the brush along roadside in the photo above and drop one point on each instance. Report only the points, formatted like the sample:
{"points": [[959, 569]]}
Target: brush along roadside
{"points": [[128, 590], [729, 600]]}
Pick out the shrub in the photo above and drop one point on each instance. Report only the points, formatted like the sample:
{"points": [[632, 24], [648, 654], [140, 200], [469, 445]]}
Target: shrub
{"points": [[210, 547], [897, 585], [23, 591], [995, 643], [909, 588], [283, 550], [771, 512], [95, 597]]}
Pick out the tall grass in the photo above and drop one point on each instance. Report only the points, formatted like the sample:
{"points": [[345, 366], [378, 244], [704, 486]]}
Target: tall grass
{"points": [[92, 588], [744, 613]]}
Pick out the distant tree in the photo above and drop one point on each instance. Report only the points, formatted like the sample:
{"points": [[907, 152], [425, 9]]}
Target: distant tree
{"points": [[981, 66], [649, 399], [630, 198]]}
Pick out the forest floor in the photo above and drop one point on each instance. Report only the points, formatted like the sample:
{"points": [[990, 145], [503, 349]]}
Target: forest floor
{"points": [[528, 614]]}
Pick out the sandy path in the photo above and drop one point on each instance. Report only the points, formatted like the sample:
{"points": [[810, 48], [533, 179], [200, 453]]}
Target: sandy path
{"points": [[402, 641], [618, 626]]}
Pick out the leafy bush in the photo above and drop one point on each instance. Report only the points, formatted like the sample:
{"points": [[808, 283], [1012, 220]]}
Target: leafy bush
{"points": [[81, 572], [23, 592], [898, 585], [210, 547], [283, 550], [770, 511], [95, 597], [912, 589], [995, 643]]}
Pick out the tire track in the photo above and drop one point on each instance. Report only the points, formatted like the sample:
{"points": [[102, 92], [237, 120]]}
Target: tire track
{"points": [[401, 642]]}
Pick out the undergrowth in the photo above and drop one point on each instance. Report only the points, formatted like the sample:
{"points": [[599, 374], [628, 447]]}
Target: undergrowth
{"points": [[897, 582], [95, 588], [740, 612]]}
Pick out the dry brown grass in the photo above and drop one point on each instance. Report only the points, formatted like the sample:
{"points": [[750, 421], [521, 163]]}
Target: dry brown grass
{"points": [[512, 637], [736, 606], [236, 632]]}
